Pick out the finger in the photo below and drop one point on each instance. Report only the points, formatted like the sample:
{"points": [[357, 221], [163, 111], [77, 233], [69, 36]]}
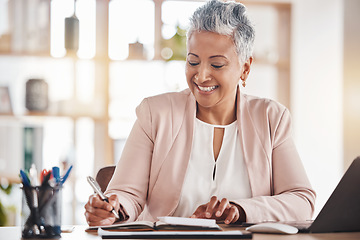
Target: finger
{"points": [[91, 217], [104, 222], [114, 201], [98, 212], [224, 204], [94, 198], [97, 202], [233, 215], [211, 206], [89, 207], [97, 216], [94, 220], [199, 212], [91, 197]]}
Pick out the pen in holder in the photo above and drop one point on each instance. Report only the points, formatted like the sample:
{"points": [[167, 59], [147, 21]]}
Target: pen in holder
{"points": [[41, 204], [41, 211], [41, 207]]}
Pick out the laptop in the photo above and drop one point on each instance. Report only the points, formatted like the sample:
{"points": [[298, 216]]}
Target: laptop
{"points": [[341, 212]]}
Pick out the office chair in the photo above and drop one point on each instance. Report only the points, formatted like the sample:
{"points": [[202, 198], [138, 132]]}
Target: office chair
{"points": [[104, 175]]}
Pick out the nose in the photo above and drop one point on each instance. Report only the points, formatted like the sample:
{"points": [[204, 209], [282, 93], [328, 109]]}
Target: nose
{"points": [[203, 75]]}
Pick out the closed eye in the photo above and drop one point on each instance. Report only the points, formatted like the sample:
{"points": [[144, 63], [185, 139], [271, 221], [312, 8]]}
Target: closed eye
{"points": [[217, 66], [193, 63]]}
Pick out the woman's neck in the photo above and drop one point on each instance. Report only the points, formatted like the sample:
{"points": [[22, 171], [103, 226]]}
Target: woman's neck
{"points": [[217, 115]]}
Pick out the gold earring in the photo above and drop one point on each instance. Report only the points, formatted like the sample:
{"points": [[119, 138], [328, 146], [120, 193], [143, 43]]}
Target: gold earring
{"points": [[243, 82]]}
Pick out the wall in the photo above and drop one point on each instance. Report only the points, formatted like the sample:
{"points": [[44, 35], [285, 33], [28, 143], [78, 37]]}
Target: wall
{"points": [[316, 91], [351, 80]]}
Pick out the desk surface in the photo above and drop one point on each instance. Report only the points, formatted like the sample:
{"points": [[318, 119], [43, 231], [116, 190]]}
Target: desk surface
{"points": [[79, 233]]}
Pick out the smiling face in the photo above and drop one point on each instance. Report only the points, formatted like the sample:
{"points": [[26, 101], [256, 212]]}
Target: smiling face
{"points": [[213, 70]]}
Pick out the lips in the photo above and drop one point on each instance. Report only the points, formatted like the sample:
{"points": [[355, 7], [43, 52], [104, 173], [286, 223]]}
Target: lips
{"points": [[207, 89]]}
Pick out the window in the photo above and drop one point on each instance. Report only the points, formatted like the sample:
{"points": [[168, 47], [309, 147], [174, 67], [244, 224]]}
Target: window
{"points": [[131, 22]]}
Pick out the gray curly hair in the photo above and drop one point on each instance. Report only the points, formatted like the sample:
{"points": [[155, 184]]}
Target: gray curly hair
{"points": [[225, 18]]}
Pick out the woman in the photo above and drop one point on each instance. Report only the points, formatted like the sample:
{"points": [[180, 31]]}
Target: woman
{"points": [[210, 151]]}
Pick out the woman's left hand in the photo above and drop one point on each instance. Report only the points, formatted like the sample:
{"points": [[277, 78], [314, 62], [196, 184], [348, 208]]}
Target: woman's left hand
{"points": [[220, 210]]}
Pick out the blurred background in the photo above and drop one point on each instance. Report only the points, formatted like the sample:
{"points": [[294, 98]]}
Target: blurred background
{"points": [[73, 72]]}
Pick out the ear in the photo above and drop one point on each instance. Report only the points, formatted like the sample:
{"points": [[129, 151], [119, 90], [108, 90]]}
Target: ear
{"points": [[246, 68]]}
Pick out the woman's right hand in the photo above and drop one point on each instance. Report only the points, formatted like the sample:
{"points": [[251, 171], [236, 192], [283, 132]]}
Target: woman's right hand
{"points": [[98, 212]]}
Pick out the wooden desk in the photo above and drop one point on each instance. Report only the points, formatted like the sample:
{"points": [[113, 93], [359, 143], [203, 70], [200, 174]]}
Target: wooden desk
{"points": [[14, 233]]}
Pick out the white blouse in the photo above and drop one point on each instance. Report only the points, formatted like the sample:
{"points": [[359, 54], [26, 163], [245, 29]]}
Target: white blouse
{"points": [[226, 177]]}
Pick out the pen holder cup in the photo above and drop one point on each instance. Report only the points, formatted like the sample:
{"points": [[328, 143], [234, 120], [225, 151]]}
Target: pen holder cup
{"points": [[41, 212]]}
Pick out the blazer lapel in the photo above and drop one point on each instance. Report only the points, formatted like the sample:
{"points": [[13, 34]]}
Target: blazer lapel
{"points": [[173, 168], [253, 150]]}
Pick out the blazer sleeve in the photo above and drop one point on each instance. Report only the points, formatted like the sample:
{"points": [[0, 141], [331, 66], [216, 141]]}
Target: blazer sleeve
{"points": [[292, 197], [131, 177]]}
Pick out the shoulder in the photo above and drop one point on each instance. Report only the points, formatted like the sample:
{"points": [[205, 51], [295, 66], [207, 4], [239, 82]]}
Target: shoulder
{"points": [[168, 99], [164, 102], [258, 103], [268, 116], [265, 107], [164, 110]]}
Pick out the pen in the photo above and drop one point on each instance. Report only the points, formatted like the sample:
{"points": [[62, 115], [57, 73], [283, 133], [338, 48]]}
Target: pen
{"points": [[24, 178], [34, 180], [63, 179], [97, 189], [56, 174]]}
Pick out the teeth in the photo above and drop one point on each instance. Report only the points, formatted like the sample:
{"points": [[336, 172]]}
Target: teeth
{"points": [[207, 89]]}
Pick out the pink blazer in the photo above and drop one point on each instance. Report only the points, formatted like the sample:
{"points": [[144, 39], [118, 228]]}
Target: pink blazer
{"points": [[149, 176]]}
